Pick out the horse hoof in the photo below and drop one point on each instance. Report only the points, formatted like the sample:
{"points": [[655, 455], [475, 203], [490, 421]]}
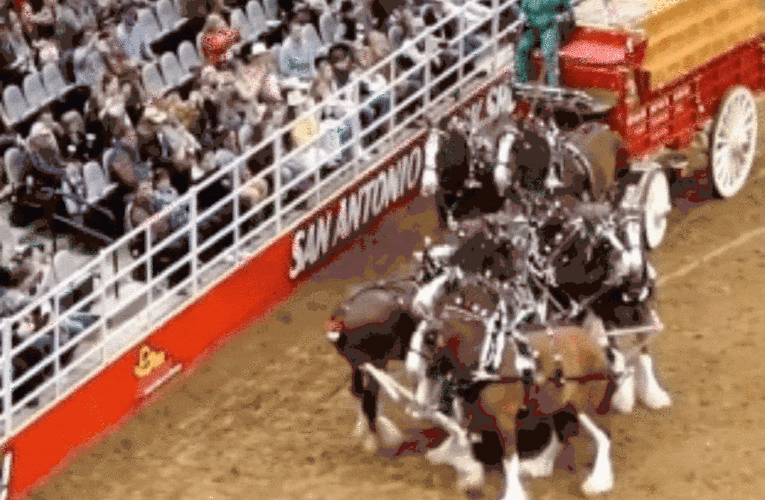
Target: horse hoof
{"points": [[596, 485], [624, 396], [370, 444], [657, 399], [469, 481]]}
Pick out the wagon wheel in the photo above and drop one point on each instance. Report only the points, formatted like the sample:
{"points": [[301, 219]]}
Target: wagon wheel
{"points": [[733, 142], [656, 205]]}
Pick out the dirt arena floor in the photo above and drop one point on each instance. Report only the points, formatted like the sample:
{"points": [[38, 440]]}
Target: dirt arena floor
{"points": [[269, 416]]}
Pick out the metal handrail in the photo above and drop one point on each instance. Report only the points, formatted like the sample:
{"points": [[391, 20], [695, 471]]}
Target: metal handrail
{"points": [[190, 202]]}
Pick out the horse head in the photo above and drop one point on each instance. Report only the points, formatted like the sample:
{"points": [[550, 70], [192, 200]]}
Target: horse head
{"points": [[532, 154]]}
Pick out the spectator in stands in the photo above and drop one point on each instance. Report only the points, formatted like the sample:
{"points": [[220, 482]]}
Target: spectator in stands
{"points": [[136, 42], [260, 74], [297, 56], [324, 85], [75, 144], [164, 194], [44, 153], [217, 40], [37, 17]]}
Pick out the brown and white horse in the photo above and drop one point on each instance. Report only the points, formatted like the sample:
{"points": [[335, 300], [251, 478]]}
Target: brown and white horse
{"points": [[544, 373]]}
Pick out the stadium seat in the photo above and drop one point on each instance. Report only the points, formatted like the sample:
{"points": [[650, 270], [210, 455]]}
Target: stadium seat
{"points": [[169, 18], [396, 37], [172, 72], [88, 66], [187, 54], [34, 92], [14, 166], [16, 106], [54, 82], [223, 157], [270, 10], [152, 80], [97, 185], [311, 36], [256, 17], [149, 25], [71, 204], [328, 26], [125, 41], [240, 22]]}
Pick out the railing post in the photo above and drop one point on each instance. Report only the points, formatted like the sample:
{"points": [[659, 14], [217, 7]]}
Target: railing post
{"points": [[278, 181], [193, 232], [235, 188], [57, 343], [115, 261], [461, 48], [427, 77], [494, 34], [392, 94], [358, 149], [7, 376]]}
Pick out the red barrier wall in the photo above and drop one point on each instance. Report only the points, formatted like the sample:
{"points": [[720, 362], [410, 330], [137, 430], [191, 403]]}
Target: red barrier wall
{"points": [[251, 291]]}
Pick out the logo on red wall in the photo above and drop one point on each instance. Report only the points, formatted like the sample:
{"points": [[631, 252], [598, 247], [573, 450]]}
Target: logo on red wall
{"points": [[153, 369]]}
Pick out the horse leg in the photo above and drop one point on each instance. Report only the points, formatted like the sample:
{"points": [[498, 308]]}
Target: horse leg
{"points": [[601, 479], [543, 463], [457, 451], [649, 390], [623, 397], [501, 403]]}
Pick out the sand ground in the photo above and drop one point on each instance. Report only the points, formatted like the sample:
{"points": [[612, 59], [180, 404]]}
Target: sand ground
{"points": [[269, 417]]}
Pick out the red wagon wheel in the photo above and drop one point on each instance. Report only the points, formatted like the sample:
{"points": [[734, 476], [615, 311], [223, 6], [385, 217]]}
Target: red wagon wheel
{"points": [[734, 142]]}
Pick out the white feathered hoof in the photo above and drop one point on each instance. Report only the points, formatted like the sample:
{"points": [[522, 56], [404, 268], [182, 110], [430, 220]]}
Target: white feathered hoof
{"points": [[470, 478], [370, 443], [649, 390], [391, 436], [543, 464], [623, 399], [513, 489], [429, 183], [600, 481], [440, 455]]}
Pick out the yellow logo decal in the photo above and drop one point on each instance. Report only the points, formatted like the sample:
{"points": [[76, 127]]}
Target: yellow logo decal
{"points": [[148, 361]]}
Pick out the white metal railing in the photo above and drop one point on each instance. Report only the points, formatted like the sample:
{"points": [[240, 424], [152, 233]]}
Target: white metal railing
{"points": [[115, 294]]}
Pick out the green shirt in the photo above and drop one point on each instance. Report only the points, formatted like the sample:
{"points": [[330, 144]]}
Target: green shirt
{"points": [[540, 13]]}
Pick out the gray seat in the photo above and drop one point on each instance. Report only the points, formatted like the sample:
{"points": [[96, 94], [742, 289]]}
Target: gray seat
{"points": [[73, 207], [16, 106], [125, 40], [14, 166], [108, 158], [188, 57], [97, 185], [240, 22], [396, 37], [34, 92], [270, 9], [172, 72], [311, 36], [256, 17], [169, 18], [328, 26], [223, 157], [54, 82], [152, 80], [149, 25], [88, 66]]}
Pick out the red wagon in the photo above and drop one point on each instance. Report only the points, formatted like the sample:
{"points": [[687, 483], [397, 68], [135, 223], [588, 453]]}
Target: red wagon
{"points": [[683, 78]]}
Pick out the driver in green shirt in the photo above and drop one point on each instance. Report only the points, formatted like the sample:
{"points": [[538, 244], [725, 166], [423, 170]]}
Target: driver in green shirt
{"points": [[542, 28]]}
